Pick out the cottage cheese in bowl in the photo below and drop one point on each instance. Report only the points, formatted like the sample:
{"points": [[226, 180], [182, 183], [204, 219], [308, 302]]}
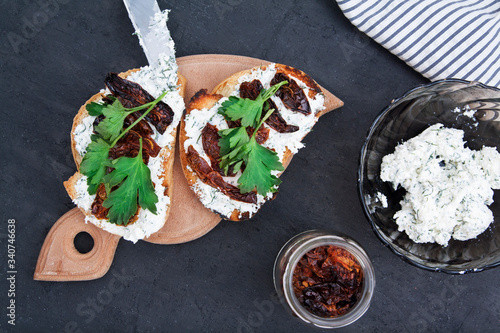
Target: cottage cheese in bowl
{"points": [[448, 186]]}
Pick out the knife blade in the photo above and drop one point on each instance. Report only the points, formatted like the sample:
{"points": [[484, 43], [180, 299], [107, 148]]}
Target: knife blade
{"points": [[151, 28]]}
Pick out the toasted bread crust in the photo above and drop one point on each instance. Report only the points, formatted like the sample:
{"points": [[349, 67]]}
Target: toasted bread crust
{"points": [[70, 184], [166, 154], [203, 100]]}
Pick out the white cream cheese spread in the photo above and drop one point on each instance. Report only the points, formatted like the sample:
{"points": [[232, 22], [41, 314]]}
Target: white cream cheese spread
{"points": [[448, 186], [196, 120]]}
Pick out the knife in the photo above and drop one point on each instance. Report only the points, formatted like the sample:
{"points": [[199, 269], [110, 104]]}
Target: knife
{"points": [[150, 25]]}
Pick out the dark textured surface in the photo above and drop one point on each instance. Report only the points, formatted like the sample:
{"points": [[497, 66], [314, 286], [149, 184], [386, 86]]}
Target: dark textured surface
{"points": [[57, 57]]}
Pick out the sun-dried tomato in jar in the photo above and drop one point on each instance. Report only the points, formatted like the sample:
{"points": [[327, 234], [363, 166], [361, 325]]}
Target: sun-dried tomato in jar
{"points": [[328, 281]]}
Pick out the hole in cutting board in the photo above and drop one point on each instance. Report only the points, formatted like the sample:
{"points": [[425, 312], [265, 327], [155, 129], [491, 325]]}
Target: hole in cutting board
{"points": [[84, 243]]}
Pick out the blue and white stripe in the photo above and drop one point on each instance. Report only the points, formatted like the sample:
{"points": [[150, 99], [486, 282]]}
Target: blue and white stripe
{"points": [[438, 38]]}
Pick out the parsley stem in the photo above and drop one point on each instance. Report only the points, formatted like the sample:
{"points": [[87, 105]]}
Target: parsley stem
{"points": [[140, 107], [269, 112], [152, 105], [267, 93]]}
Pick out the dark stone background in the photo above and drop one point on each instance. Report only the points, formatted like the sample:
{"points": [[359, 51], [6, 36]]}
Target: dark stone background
{"points": [[57, 56]]}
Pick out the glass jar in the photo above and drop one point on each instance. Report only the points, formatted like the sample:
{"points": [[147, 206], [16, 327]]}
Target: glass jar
{"points": [[295, 249]]}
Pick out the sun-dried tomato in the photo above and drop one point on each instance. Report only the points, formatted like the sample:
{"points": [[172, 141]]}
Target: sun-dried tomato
{"points": [[291, 94], [328, 281], [277, 122], [210, 141], [131, 94], [141, 127], [97, 209], [129, 146], [261, 136], [214, 179], [250, 90]]}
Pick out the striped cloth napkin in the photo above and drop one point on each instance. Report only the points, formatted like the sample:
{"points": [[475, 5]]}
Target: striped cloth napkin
{"points": [[438, 38]]}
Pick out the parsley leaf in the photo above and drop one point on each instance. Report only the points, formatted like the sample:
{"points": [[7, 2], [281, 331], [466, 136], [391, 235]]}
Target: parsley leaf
{"points": [[259, 161], [231, 146], [131, 175], [95, 162], [134, 178], [112, 125], [95, 109], [236, 147], [249, 111]]}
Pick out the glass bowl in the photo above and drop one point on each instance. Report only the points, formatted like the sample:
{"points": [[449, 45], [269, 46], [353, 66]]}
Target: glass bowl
{"points": [[295, 249], [405, 118]]}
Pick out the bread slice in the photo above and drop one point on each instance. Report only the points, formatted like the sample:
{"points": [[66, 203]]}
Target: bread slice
{"points": [[202, 109], [144, 223]]}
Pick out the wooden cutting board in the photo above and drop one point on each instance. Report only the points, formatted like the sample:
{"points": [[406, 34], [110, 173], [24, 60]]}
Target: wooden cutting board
{"points": [[59, 260]]}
